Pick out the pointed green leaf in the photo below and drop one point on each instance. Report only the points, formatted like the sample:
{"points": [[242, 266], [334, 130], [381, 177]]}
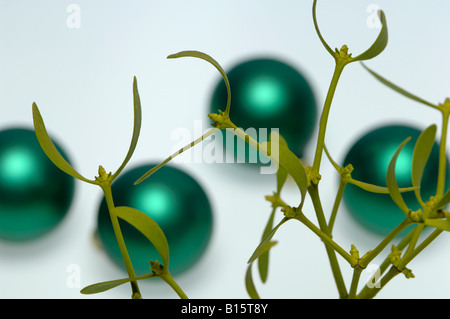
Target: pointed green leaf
{"points": [[422, 151], [136, 128], [391, 181], [443, 224], [168, 159], [281, 173], [263, 260], [206, 57], [107, 285], [262, 246], [50, 149], [148, 227], [398, 89], [281, 178], [103, 286], [379, 189], [250, 286], [316, 26], [380, 43], [288, 161]]}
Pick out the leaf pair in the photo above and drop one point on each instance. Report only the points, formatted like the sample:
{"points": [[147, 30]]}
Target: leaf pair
{"points": [[421, 153], [206, 57], [55, 156], [375, 49], [142, 222]]}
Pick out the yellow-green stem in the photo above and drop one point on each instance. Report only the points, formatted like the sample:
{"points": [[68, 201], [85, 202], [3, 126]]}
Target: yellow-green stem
{"points": [[337, 202], [372, 292], [106, 187], [340, 64], [314, 193], [365, 261], [172, 283], [412, 244], [247, 138], [355, 280], [384, 265], [326, 239], [423, 245]]}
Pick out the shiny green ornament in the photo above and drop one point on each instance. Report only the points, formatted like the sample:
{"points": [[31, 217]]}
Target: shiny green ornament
{"points": [[176, 202], [34, 194], [370, 157], [266, 94]]}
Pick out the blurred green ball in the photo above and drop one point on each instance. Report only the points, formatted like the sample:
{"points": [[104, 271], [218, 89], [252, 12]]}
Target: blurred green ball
{"points": [[176, 202], [265, 94], [370, 157], [35, 195]]}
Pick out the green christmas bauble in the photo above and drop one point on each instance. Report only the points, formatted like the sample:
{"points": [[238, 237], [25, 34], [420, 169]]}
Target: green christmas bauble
{"points": [[35, 195], [176, 202], [370, 157], [267, 94]]}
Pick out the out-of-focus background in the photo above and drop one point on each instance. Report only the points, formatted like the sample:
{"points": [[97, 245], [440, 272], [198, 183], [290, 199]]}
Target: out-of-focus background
{"points": [[77, 59]]}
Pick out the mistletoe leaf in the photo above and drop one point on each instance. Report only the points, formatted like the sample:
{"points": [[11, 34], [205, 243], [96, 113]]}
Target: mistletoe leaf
{"points": [[380, 43], [136, 128], [421, 153], [50, 149], [148, 227], [391, 181]]}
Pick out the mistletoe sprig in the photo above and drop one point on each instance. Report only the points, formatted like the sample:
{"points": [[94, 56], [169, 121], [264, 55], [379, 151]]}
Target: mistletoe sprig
{"points": [[141, 221]]}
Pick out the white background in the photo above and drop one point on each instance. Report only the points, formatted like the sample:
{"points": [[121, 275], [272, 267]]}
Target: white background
{"points": [[81, 79]]}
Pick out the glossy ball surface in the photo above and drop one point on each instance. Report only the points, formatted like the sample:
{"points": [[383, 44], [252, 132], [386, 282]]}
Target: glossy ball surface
{"points": [[176, 202], [370, 157], [265, 94], [35, 195]]}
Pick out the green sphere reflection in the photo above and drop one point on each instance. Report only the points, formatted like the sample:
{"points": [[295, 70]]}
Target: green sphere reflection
{"points": [[34, 194], [176, 202], [266, 94], [371, 156]]}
